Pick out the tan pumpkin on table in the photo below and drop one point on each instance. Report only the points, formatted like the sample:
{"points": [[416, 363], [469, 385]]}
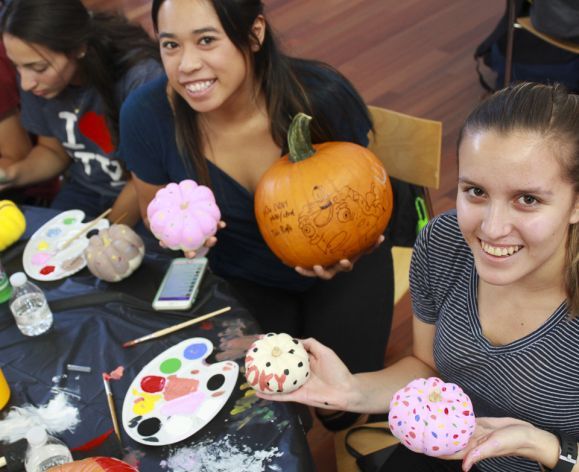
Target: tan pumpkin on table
{"points": [[13, 224], [324, 202], [114, 253]]}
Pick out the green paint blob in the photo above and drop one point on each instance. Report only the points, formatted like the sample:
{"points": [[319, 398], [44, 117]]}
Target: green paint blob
{"points": [[69, 221], [170, 366]]}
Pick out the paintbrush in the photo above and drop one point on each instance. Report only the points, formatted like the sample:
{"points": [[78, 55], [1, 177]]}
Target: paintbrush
{"points": [[120, 218], [87, 228], [111, 404], [172, 329]]}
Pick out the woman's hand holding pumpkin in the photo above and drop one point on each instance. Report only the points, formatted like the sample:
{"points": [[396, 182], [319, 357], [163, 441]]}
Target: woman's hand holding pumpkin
{"points": [[344, 265], [208, 244], [498, 437], [330, 381]]}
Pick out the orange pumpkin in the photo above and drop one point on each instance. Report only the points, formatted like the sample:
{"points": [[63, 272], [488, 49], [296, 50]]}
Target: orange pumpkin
{"points": [[322, 202]]}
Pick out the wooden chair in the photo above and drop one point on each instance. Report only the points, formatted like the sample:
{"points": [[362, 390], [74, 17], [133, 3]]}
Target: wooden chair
{"points": [[524, 22], [410, 149]]}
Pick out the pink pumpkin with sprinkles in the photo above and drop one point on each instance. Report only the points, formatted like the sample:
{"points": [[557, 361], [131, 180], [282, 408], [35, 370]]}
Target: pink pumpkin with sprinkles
{"points": [[432, 417], [182, 216]]}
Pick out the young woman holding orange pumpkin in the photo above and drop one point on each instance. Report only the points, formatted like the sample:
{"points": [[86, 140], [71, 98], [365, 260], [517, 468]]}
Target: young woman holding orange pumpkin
{"points": [[221, 118], [495, 291]]}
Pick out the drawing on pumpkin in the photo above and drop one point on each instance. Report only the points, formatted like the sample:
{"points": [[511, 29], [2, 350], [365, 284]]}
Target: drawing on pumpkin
{"points": [[320, 220], [177, 393], [45, 260]]}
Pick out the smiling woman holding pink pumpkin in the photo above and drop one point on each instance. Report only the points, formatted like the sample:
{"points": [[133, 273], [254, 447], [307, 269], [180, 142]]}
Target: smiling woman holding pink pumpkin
{"points": [[495, 294], [221, 118], [75, 68]]}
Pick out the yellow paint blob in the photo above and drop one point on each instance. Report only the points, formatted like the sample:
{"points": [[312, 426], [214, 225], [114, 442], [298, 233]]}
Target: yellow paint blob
{"points": [[145, 403]]}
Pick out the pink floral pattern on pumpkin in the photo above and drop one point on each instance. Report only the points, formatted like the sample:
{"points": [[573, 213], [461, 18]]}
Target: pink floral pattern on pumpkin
{"points": [[183, 215], [432, 417]]}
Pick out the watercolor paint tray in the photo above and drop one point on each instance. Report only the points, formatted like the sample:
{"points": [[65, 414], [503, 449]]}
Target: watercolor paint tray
{"points": [[44, 260], [177, 393]]}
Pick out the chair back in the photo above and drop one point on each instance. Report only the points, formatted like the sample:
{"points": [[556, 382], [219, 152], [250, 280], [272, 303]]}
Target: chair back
{"points": [[525, 23], [409, 147]]}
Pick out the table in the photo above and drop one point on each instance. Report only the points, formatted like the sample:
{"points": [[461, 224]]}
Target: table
{"points": [[93, 318]]}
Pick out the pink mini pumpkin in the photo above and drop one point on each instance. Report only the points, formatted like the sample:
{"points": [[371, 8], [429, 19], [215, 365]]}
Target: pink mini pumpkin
{"points": [[183, 215], [432, 417]]}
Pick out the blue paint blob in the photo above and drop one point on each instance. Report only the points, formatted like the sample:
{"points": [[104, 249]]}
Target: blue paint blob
{"points": [[417, 418], [53, 232], [194, 351], [434, 434]]}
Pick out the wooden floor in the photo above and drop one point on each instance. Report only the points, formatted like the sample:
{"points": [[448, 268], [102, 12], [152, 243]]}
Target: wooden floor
{"points": [[412, 56]]}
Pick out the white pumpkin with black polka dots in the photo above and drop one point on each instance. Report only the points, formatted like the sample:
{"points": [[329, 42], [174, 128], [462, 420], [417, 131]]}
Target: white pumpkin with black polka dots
{"points": [[277, 363]]}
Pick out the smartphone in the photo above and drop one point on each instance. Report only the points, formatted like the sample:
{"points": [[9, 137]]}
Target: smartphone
{"points": [[180, 285]]}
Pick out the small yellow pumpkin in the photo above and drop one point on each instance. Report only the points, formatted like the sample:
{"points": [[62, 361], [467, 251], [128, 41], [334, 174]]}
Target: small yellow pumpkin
{"points": [[12, 223]]}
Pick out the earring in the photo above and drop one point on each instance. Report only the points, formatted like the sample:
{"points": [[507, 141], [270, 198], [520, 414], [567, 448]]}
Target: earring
{"points": [[81, 55]]}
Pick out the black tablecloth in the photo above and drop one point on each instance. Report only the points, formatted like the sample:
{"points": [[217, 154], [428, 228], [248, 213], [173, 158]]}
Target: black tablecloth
{"points": [[93, 318]]}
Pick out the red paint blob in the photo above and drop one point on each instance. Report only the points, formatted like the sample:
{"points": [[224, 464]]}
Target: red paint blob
{"points": [[47, 270], [153, 383]]}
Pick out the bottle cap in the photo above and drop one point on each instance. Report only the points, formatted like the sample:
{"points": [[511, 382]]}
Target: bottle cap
{"points": [[18, 279], [36, 436]]}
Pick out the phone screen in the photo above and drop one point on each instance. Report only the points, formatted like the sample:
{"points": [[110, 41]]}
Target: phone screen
{"points": [[179, 282]]}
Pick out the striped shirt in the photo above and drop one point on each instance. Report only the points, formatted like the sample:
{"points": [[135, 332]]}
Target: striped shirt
{"points": [[535, 378]]}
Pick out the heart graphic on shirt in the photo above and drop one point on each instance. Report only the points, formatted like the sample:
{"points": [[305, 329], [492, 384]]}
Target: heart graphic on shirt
{"points": [[94, 127]]}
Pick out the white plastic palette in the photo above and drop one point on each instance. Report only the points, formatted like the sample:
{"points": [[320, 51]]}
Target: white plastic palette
{"points": [[177, 393], [44, 260]]}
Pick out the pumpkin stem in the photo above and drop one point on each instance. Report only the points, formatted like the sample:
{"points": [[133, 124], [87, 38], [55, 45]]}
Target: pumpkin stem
{"points": [[299, 139], [435, 396], [276, 352]]}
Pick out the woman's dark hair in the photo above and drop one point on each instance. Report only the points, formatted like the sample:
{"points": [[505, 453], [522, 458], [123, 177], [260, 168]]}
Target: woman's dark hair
{"points": [[276, 75], [553, 112], [113, 45]]}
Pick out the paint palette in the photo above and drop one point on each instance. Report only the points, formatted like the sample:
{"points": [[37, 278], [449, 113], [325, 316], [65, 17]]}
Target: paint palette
{"points": [[43, 258], [177, 393]]}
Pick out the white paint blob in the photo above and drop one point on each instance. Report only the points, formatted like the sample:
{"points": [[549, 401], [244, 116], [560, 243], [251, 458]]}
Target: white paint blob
{"points": [[222, 455]]}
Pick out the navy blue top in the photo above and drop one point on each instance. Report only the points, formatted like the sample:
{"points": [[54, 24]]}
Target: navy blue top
{"points": [[147, 137]]}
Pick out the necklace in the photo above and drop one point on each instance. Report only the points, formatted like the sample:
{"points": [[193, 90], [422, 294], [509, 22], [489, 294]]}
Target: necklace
{"points": [[78, 98]]}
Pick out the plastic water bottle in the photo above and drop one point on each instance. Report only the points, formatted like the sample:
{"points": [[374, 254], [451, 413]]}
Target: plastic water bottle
{"points": [[44, 451], [29, 306]]}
